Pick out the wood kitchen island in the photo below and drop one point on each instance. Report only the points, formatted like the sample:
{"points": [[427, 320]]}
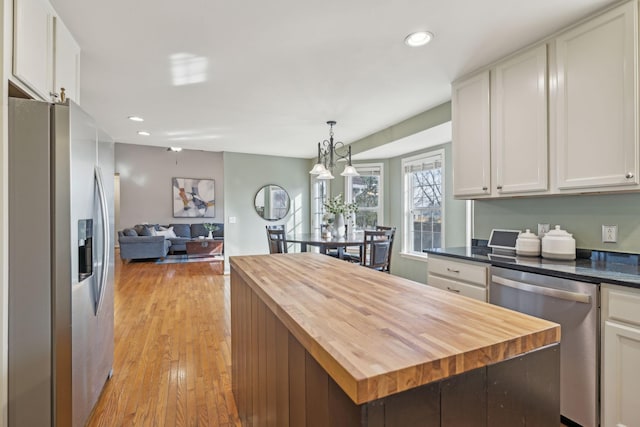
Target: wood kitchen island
{"points": [[317, 341]]}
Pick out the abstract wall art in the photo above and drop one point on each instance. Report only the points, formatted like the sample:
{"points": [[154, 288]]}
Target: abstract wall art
{"points": [[193, 197]]}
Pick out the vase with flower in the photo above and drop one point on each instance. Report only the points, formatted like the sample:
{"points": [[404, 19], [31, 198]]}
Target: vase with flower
{"points": [[210, 228], [342, 212]]}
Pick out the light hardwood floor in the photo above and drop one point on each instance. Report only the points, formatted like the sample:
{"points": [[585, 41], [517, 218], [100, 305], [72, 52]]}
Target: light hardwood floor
{"points": [[172, 359]]}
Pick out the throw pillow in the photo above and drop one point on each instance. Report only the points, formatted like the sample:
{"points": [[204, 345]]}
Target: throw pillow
{"points": [[181, 230], [144, 230], [129, 232], [168, 233]]}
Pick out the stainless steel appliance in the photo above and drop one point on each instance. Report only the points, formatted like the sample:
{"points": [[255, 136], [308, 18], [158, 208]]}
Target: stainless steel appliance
{"points": [[574, 305], [60, 263]]}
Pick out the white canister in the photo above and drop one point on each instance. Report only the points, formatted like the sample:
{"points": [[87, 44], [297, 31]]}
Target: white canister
{"points": [[528, 244], [558, 244]]}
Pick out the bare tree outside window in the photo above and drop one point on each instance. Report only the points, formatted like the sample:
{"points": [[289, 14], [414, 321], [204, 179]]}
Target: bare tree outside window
{"points": [[366, 196], [425, 193], [367, 193]]}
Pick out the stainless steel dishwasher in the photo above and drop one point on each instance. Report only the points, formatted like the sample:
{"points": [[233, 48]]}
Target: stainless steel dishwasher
{"points": [[575, 306]]}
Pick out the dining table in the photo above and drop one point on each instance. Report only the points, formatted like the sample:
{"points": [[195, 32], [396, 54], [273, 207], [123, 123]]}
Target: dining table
{"points": [[324, 242]]}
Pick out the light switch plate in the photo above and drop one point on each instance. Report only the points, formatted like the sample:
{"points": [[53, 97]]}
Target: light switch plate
{"points": [[609, 233], [232, 220]]}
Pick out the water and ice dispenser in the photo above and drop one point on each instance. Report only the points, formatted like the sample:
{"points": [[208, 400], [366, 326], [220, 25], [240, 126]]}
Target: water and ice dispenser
{"points": [[85, 249]]}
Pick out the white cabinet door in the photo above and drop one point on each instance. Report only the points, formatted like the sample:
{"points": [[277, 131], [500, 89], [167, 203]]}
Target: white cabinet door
{"points": [[620, 375], [596, 102], [33, 45], [519, 142], [471, 136], [67, 62]]}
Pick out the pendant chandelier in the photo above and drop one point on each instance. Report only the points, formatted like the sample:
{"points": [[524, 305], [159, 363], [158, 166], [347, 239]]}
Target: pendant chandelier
{"points": [[328, 155]]}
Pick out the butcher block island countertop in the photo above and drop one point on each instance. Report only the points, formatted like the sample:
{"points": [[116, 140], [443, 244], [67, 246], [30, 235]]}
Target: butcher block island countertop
{"points": [[376, 334]]}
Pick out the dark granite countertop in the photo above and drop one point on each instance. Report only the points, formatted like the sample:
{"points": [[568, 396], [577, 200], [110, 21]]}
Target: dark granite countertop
{"points": [[589, 266]]}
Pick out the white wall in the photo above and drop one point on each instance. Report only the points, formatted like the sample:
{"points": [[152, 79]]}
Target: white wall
{"points": [[145, 182]]}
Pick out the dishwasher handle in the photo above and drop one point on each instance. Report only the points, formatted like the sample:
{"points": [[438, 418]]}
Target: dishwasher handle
{"points": [[550, 292]]}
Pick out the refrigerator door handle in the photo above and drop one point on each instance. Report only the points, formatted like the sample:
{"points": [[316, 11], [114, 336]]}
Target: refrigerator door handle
{"points": [[106, 238]]}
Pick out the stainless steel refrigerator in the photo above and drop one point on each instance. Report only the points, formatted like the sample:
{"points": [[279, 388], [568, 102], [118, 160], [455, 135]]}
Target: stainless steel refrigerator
{"points": [[60, 263]]}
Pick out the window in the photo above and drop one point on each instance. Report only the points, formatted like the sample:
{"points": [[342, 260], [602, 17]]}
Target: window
{"points": [[366, 191], [424, 202], [319, 195]]}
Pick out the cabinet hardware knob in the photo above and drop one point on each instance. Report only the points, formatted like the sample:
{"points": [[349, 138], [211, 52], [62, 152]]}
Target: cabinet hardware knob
{"points": [[452, 270], [629, 175], [484, 188], [53, 94], [457, 291], [499, 187]]}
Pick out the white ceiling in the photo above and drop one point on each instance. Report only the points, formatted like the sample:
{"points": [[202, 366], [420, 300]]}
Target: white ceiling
{"points": [[263, 77]]}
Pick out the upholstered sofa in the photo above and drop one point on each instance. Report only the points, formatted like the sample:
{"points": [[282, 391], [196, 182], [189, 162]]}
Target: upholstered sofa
{"points": [[155, 241], [186, 232], [139, 242]]}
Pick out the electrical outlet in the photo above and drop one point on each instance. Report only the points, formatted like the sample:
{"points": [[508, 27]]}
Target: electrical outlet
{"points": [[543, 229], [609, 233]]}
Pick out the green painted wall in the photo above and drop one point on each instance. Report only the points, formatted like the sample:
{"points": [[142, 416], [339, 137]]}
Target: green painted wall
{"points": [[581, 215], [425, 120], [244, 175]]}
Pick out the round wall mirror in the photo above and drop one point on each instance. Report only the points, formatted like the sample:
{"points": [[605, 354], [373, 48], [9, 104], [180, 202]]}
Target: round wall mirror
{"points": [[272, 202]]}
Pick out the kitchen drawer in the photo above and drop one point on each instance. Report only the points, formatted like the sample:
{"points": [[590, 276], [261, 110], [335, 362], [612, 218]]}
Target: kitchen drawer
{"points": [[466, 272], [623, 306], [471, 291]]}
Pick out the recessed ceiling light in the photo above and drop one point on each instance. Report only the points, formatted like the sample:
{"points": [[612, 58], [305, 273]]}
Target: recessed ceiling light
{"points": [[143, 133], [136, 119], [176, 149], [419, 38]]}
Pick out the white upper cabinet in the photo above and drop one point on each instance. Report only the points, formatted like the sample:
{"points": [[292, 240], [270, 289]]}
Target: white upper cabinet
{"points": [[500, 132], [519, 141], [471, 136], [33, 45], [45, 55], [563, 119], [67, 63], [596, 103]]}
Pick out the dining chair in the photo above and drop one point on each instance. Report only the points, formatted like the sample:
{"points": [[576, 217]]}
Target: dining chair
{"points": [[376, 251], [393, 235], [277, 239], [357, 257]]}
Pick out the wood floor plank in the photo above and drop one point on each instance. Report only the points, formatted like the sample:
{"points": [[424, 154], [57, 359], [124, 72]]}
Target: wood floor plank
{"points": [[172, 361]]}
